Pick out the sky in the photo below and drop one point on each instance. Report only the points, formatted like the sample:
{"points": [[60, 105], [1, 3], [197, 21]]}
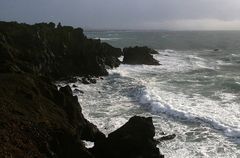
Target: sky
{"points": [[127, 14]]}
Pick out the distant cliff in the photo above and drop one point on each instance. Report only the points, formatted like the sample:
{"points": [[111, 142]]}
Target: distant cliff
{"points": [[55, 51]]}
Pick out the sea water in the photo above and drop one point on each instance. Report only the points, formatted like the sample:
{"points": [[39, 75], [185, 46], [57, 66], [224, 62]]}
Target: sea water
{"points": [[194, 94]]}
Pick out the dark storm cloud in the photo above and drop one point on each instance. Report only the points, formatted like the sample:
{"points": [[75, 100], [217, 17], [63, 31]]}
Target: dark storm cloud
{"points": [[127, 14]]}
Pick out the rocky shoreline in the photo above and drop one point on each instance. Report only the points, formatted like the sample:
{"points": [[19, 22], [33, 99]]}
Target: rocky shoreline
{"points": [[40, 120]]}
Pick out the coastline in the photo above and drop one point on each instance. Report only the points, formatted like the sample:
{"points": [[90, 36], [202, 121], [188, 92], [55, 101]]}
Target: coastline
{"points": [[37, 119]]}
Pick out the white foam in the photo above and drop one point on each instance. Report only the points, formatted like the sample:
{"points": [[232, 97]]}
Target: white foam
{"points": [[235, 55], [225, 97], [198, 62], [171, 60], [121, 58], [106, 39], [159, 106], [220, 115], [237, 82], [220, 62], [88, 144], [169, 50], [181, 61], [128, 70]]}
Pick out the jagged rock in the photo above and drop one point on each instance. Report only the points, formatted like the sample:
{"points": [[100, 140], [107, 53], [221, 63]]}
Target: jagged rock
{"points": [[132, 140], [38, 120], [74, 86], [139, 55], [57, 52], [85, 80], [89, 80], [92, 80], [77, 91], [167, 137]]}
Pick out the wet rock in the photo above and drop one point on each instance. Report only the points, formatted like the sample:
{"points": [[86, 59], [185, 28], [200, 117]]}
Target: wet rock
{"points": [[167, 137], [85, 80], [132, 140], [92, 80], [78, 91], [139, 55], [74, 86], [88, 80]]}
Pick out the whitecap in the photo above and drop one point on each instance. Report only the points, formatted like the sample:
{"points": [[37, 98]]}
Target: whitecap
{"points": [[157, 106], [106, 39]]}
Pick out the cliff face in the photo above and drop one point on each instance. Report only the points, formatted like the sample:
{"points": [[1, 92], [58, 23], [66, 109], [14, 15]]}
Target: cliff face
{"points": [[37, 119], [45, 49]]}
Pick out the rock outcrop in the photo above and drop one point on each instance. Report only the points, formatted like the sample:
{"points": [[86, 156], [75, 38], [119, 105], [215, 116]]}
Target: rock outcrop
{"points": [[132, 140], [44, 49], [139, 55], [38, 120]]}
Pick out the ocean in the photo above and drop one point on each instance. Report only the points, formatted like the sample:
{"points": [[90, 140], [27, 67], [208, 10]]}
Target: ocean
{"points": [[194, 94]]}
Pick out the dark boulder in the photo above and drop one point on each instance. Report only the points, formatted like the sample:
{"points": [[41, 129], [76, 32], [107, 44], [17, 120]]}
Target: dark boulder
{"points": [[132, 140], [93, 80], [139, 55], [77, 91], [167, 137], [85, 80], [74, 86], [89, 80]]}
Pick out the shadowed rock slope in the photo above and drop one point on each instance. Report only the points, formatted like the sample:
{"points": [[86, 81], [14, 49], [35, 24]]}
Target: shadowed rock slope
{"points": [[61, 51], [39, 120]]}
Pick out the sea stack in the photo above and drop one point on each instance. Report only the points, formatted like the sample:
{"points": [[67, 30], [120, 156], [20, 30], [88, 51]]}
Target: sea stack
{"points": [[139, 55]]}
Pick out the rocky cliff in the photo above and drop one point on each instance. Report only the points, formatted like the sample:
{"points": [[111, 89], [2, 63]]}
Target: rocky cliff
{"points": [[39, 120], [55, 51]]}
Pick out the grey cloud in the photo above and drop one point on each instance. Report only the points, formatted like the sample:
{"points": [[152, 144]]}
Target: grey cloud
{"points": [[122, 14]]}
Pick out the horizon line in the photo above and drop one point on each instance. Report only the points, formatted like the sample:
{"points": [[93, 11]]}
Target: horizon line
{"points": [[86, 28], [146, 30]]}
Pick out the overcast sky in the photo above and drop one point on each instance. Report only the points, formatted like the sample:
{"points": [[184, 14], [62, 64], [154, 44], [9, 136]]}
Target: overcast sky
{"points": [[127, 14]]}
